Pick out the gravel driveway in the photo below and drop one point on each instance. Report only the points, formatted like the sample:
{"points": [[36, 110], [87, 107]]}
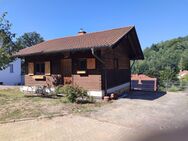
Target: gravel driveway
{"points": [[133, 118]]}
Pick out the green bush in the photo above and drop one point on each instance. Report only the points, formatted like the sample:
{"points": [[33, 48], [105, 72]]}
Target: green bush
{"points": [[174, 88], [72, 93], [185, 79], [59, 90]]}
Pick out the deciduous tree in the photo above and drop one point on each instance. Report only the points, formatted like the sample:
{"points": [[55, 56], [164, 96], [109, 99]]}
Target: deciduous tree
{"points": [[7, 46], [29, 39]]}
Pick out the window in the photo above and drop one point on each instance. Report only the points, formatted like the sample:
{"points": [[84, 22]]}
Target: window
{"points": [[40, 68], [82, 64], [11, 68]]}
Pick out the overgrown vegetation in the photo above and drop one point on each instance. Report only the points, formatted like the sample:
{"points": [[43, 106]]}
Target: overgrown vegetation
{"points": [[74, 93], [164, 60]]}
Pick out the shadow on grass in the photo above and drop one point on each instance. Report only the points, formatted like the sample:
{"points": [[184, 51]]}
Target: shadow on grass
{"points": [[145, 95], [85, 101], [78, 101], [42, 96]]}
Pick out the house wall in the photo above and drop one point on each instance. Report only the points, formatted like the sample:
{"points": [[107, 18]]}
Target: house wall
{"points": [[94, 79], [49, 80], [14, 78], [116, 75], [90, 81]]}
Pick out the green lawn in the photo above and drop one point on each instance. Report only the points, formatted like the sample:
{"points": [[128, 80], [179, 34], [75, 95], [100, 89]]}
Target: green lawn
{"points": [[15, 105]]}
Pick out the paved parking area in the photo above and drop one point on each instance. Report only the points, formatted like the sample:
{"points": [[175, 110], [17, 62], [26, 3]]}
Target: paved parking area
{"points": [[139, 110], [133, 118]]}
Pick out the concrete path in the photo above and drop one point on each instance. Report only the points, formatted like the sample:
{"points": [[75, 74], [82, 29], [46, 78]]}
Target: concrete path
{"points": [[137, 117]]}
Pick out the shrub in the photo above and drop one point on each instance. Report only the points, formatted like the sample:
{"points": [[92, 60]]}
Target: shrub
{"points": [[59, 90], [72, 93], [174, 88], [185, 79]]}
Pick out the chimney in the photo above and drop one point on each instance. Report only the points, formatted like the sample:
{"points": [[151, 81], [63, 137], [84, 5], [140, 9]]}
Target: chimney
{"points": [[81, 32]]}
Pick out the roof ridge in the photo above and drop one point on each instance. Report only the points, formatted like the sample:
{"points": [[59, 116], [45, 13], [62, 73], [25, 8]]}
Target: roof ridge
{"points": [[131, 26]]}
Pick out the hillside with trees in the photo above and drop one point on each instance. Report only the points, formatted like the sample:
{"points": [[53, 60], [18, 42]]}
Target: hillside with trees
{"points": [[164, 60]]}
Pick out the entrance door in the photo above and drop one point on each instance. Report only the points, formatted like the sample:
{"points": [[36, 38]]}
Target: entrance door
{"points": [[66, 70]]}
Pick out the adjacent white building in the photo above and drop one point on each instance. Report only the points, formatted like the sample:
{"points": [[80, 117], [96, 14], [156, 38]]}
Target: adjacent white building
{"points": [[12, 74]]}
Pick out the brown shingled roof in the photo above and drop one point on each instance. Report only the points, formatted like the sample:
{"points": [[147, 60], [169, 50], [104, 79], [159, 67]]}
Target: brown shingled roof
{"points": [[90, 40]]}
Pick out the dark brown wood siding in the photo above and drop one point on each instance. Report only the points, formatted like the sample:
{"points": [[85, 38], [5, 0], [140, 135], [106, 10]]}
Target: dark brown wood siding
{"points": [[90, 81], [117, 77], [117, 66], [53, 79]]}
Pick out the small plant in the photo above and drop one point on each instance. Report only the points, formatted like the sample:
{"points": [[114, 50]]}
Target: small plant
{"points": [[73, 93], [59, 90], [174, 88]]}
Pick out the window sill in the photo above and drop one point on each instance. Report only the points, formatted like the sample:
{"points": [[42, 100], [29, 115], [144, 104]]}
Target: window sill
{"points": [[38, 77], [81, 72]]}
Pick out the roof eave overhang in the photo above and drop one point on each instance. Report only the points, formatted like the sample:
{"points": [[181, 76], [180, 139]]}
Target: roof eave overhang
{"points": [[58, 51]]}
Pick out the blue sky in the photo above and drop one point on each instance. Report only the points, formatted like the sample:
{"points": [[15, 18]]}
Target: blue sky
{"points": [[155, 20]]}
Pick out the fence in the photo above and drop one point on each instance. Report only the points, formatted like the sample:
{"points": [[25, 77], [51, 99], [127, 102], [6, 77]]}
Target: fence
{"points": [[176, 86]]}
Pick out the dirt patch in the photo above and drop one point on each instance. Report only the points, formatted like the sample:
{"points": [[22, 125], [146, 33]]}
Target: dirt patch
{"points": [[14, 105]]}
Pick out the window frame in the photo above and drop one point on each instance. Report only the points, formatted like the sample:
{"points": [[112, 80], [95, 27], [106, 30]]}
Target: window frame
{"points": [[78, 66], [11, 66], [41, 70]]}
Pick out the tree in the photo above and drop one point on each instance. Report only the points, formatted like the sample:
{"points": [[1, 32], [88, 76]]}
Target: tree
{"points": [[164, 60], [29, 39], [7, 46], [183, 64]]}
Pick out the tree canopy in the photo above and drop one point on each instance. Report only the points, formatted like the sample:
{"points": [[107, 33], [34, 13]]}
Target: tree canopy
{"points": [[7, 46], [29, 39], [164, 60]]}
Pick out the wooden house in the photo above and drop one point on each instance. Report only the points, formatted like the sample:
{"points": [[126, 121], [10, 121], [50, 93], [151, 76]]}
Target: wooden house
{"points": [[98, 61]]}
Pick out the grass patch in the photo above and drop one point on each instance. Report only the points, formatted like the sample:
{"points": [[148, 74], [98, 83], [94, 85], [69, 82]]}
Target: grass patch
{"points": [[15, 105], [11, 93]]}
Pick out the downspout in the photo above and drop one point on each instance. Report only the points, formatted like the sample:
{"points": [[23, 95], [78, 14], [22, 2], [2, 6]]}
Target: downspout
{"points": [[133, 64], [103, 63]]}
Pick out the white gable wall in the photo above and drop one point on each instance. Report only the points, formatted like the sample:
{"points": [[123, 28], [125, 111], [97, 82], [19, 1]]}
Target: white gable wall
{"points": [[13, 78]]}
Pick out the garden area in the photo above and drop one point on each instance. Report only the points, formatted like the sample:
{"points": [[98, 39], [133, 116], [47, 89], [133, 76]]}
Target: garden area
{"points": [[17, 105]]}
